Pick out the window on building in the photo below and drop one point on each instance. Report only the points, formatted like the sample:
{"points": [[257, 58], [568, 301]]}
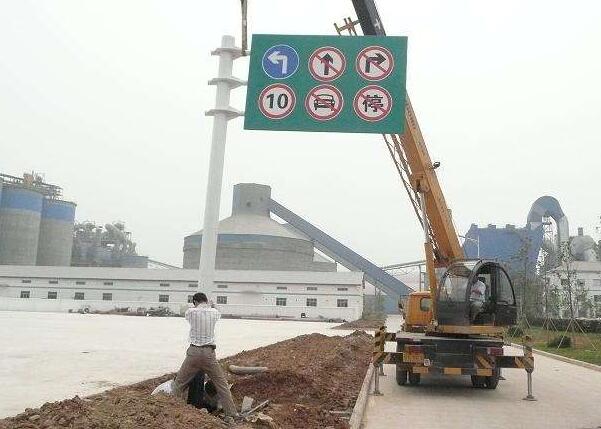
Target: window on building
{"points": [[164, 284], [80, 282], [311, 288], [25, 281], [79, 296], [221, 286], [342, 288], [163, 298], [192, 284], [222, 300], [311, 302], [190, 297], [108, 283], [107, 296], [597, 283], [597, 299], [282, 288], [342, 303], [25, 294], [280, 302], [52, 295], [53, 282]]}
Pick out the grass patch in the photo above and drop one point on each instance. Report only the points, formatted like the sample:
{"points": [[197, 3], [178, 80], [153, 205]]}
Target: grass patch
{"points": [[581, 345]]}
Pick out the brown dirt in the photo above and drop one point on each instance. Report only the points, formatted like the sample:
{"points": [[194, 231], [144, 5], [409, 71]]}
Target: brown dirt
{"points": [[308, 377], [370, 325]]}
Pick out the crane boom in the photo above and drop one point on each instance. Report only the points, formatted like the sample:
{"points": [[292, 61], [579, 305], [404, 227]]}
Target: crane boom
{"points": [[416, 169]]}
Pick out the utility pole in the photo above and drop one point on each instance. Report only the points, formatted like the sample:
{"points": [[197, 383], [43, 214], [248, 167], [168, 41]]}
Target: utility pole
{"points": [[221, 114]]}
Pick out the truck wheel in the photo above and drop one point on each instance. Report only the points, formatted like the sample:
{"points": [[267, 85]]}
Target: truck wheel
{"points": [[401, 377], [478, 381], [492, 381], [414, 378]]}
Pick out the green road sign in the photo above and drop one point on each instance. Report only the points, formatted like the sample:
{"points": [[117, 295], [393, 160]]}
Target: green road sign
{"points": [[326, 83]]}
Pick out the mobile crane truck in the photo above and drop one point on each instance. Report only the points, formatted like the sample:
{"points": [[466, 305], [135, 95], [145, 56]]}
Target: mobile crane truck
{"points": [[457, 327]]}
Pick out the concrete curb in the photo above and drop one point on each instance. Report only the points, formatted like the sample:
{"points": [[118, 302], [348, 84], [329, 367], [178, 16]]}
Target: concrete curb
{"points": [[360, 404], [562, 358]]}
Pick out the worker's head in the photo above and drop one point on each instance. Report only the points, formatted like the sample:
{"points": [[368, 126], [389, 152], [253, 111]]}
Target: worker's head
{"points": [[199, 298]]}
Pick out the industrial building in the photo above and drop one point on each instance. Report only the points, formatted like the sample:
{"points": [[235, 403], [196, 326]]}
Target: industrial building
{"points": [[264, 268], [292, 294], [36, 226]]}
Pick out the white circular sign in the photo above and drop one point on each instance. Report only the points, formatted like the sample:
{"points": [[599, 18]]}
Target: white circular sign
{"points": [[375, 63], [324, 102], [277, 101], [327, 63], [372, 103]]}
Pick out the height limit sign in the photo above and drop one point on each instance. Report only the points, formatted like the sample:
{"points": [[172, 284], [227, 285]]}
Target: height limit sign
{"points": [[327, 83]]}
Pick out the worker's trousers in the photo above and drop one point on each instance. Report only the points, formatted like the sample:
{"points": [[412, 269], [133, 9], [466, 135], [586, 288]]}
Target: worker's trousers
{"points": [[203, 359]]}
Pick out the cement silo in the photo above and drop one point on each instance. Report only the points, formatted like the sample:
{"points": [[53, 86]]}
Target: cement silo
{"points": [[20, 214], [251, 240], [56, 233]]}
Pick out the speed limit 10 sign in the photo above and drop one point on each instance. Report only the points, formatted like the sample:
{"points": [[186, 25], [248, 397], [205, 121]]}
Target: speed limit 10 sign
{"points": [[326, 83]]}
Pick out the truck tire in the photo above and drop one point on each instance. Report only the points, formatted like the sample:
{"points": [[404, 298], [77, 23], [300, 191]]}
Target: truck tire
{"points": [[401, 376], [492, 381], [414, 378], [478, 381]]}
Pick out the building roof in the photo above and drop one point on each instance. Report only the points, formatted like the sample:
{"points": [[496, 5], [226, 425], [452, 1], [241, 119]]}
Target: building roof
{"points": [[226, 276], [255, 225]]}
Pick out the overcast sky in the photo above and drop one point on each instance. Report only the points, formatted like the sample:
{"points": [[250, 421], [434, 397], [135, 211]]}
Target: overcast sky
{"points": [[107, 99]]}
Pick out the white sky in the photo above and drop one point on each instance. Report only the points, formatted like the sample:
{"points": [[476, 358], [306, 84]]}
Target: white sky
{"points": [[107, 98]]}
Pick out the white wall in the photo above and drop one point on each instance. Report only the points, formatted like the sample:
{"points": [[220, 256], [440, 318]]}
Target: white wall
{"points": [[243, 298]]}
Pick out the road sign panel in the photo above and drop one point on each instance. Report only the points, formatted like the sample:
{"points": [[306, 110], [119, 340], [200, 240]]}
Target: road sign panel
{"points": [[375, 63], [327, 63], [280, 61], [318, 91], [324, 102], [277, 101], [372, 103]]}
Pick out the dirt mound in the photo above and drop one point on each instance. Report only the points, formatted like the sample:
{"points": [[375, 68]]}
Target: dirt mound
{"points": [[370, 325], [308, 377]]}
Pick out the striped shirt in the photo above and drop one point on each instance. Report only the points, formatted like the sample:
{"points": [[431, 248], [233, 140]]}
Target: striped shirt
{"points": [[202, 319]]}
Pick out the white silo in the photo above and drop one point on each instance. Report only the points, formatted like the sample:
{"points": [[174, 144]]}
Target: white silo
{"points": [[56, 233], [20, 214]]}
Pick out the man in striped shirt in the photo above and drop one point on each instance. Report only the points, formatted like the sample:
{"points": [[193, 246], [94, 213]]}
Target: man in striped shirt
{"points": [[201, 353]]}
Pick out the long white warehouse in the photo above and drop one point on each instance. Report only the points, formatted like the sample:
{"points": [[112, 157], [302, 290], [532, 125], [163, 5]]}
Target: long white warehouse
{"points": [[237, 292]]}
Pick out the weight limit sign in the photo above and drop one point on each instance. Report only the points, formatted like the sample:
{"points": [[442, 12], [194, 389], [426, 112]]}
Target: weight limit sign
{"points": [[372, 103], [277, 101], [324, 102]]}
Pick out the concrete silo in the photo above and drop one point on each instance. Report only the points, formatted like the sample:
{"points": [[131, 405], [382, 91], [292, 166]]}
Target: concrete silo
{"points": [[20, 214], [251, 240], [56, 233]]}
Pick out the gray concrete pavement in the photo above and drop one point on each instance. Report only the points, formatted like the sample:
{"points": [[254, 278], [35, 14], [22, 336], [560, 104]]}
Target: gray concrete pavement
{"points": [[569, 396]]}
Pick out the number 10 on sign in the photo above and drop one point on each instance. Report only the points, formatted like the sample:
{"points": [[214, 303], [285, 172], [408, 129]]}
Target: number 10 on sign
{"points": [[277, 101]]}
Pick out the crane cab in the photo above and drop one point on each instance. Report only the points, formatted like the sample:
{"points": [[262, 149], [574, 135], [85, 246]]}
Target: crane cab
{"points": [[473, 293], [472, 297]]}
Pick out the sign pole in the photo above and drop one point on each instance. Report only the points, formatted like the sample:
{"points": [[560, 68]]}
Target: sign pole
{"points": [[221, 114]]}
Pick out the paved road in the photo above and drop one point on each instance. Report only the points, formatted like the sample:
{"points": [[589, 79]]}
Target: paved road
{"points": [[569, 396]]}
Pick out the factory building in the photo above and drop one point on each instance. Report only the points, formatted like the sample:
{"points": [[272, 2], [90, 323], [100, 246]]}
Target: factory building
{"points": [[251, 240], [290, 294], [36, 226]]}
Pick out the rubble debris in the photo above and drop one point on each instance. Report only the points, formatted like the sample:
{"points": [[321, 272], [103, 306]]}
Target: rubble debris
{"points": [[308, 377], [361, 324]]}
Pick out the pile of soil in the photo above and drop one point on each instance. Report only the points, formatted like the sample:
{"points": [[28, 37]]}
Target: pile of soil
{"points": [[308, 377], [362, 324]]}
